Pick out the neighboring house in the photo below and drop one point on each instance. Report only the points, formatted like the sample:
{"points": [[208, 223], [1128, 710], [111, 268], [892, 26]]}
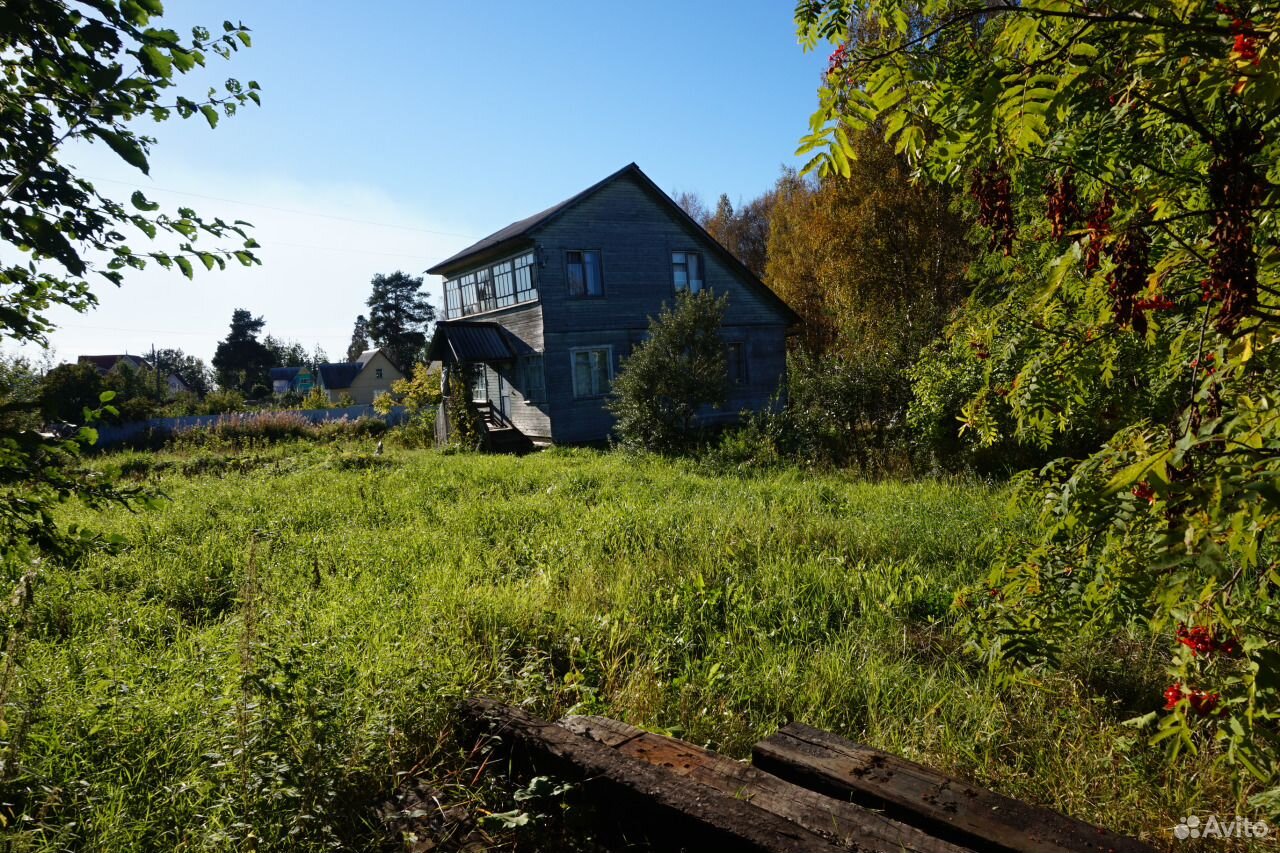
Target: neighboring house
{"points": [[540, 315], [362, 379], [177, 385], [298, 380], [104, 364]]}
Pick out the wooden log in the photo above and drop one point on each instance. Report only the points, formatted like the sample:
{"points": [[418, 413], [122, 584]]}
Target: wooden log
{"points": [[670, 807], [939, 804], [850, 826]]}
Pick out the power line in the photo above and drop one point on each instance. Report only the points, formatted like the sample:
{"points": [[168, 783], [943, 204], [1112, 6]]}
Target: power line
{"points": [[286, 209], [286, 330]]}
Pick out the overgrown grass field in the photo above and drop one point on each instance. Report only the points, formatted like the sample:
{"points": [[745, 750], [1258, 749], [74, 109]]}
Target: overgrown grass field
{"points": [[283, 641]]}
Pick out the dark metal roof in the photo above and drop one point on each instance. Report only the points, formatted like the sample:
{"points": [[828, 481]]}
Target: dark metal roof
{"points": [[284, 373], [525, 228], [522, 229], [338, 375], [106, 363], [463, 341]]}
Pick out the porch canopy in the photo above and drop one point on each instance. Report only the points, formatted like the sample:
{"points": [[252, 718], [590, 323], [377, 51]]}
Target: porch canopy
{"points": [[463, 342]]}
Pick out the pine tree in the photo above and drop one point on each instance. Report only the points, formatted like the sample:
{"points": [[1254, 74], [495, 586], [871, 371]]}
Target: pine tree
{"points": [[359, 338], [399, 314]]}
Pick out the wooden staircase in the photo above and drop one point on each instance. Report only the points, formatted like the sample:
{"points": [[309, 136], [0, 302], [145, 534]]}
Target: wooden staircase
{"points": [[499, 434]]}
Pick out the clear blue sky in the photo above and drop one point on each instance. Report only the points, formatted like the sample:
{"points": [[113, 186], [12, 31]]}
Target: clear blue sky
{"points": [[394, 132]]}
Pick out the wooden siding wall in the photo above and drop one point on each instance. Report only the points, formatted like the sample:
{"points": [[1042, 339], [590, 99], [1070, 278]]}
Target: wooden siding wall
{"points": [[524, 323], [636, 235]]}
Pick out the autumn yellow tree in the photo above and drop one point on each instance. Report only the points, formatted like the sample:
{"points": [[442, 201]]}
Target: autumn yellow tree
{"points": [[873, 263]]}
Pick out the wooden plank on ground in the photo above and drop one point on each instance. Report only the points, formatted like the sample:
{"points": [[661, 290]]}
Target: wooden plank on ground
{"points": [[937, 803], [698, 817], [850, 826]]}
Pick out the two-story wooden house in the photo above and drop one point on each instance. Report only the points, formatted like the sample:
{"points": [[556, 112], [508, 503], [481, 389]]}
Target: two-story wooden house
{"points": [[543, 313]]}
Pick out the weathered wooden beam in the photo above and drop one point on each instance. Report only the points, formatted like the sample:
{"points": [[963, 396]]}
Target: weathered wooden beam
{"points": [[939, 804], [850, 826], [671, 807]]}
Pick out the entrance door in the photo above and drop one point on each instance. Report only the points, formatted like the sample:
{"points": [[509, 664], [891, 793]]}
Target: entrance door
{"points": [[504, 397]]}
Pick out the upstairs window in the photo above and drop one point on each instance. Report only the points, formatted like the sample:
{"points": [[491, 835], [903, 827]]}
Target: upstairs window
{"points": [[503, 284], [500, 285], [377, 373], [735, 362], [592, 371], [582, 268], [525, 290], [484, 290], [686, 271]]}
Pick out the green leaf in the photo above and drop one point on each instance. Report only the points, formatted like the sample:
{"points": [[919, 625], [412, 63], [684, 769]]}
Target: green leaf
{"points": [[126, 147], [155, 62], [1157, 463], [184, 264], [140, 201], [210, 114]]}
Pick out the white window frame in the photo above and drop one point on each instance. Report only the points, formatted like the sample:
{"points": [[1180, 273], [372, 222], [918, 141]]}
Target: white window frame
{"points": [[573, 371], [481, 289], [479, 377]]}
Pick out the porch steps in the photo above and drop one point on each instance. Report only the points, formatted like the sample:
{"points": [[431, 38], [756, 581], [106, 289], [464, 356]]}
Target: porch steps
{"points": [[506, 440]]}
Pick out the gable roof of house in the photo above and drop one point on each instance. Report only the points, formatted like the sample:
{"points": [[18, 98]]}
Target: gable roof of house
{"points": [[339, 375], [525, 229], [284, 373], [105, 363], [368, 355]]}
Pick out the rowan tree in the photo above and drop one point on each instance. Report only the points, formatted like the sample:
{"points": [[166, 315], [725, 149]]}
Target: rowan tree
{"points": [[1121, 160]]}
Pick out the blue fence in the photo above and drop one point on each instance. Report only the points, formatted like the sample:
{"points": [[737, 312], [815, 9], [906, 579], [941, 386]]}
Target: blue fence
{"points": [[110, 435]]}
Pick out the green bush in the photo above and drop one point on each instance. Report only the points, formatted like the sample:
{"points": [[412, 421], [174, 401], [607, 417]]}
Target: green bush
{"points": [[672, 376], [222, 402], [837, 413]]}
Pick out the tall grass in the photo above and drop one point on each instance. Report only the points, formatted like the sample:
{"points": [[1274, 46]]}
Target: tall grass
{"points": [[281, 643]]}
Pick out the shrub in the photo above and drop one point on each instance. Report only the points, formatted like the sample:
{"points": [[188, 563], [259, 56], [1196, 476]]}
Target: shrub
{"points": [[222, 402], [677, 371], [316, 399], [363, 427], [136, 409], [240, 430], [838, 412], [464, 419], [183, 404]]}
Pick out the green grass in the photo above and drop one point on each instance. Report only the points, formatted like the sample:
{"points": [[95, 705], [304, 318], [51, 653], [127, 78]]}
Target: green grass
{"points": [[286, 638]]}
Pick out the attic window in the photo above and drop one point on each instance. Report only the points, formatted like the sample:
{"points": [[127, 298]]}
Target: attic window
{"points": [[582, 269], [686, 271]]}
